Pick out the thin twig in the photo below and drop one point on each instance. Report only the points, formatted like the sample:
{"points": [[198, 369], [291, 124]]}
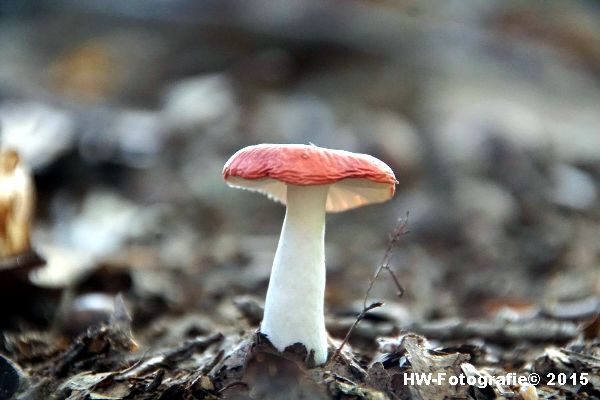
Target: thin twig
{"points": [[233, 384], [354, 325], [397, 233]]}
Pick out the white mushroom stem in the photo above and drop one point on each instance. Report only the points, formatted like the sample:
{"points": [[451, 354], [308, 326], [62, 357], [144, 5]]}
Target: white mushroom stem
{"points": [[294, 304]]}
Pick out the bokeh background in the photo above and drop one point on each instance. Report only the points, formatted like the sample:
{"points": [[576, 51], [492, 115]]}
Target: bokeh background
{"points": [[488, 112]]}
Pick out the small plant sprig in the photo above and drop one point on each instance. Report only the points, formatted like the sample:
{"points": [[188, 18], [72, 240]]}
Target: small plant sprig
{"points": [[397, 233]]}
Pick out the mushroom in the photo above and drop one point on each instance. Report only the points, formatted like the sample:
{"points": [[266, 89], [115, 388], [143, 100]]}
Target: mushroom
{"points": [[17, 207], [311, 181]]}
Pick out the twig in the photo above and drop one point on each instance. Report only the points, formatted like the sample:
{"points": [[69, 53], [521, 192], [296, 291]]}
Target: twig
{"points": [[233, 384], [354, 325], [397, 233]]}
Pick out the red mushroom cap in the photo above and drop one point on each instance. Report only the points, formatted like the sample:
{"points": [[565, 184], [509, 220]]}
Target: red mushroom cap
{"points": [[355, 179]]}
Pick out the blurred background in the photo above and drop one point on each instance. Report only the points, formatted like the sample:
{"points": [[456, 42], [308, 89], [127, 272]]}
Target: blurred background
{"points": [[126, 111]]}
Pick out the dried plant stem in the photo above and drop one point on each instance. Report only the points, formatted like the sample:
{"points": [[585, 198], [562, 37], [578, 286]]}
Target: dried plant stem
{"points": [[397, 233], [347, 337]]}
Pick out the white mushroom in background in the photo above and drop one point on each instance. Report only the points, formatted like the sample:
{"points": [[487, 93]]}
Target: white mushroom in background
{"points": [[17, 205]]}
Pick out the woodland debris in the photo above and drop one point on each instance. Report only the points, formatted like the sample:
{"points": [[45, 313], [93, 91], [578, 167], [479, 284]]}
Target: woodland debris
{"points": [[94, 386], [196, 345], [365, 332], [12, 378], [571, 362], [545, 330], [251, 308], [424, 361], [574, 310], [482, 375]]}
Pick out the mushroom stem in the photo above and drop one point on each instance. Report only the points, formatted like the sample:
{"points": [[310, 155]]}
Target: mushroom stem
{"points": [[295, 297]]}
